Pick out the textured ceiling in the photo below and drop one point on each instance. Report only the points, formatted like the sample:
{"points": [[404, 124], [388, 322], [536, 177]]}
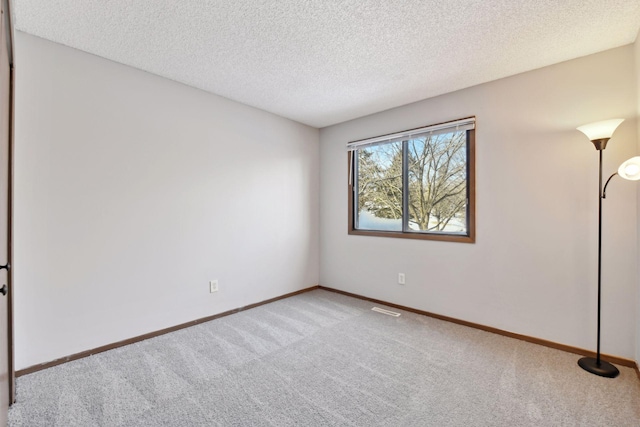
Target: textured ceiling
{"points": [[322, 62]]}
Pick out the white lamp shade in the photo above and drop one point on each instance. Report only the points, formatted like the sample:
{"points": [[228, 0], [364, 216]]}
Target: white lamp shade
{"points": [[630, 169], [600, 130]]}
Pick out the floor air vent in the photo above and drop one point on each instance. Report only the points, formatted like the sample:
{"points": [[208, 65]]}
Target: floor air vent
{"points": [[387, 312]]}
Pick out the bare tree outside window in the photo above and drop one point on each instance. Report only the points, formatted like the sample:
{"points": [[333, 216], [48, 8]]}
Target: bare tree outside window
{"points": [[416, 186], [438, 182]]}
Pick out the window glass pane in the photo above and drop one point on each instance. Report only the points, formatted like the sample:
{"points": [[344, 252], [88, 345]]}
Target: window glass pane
{"points": [[438, 183], [380, 187]]}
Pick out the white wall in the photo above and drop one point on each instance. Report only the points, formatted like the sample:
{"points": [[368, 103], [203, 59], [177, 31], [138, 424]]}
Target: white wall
{"points": [[132, 191], [533, 268]]}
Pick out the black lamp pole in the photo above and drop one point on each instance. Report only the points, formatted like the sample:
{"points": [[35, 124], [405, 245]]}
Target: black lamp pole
{"points": [[596, 365]]}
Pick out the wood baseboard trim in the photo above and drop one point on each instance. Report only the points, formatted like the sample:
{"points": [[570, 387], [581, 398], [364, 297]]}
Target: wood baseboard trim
{"points": [[551, 344], [146, 336], [570, 349]]}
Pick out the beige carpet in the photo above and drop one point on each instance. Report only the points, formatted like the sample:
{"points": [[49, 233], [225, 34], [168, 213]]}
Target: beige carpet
{"points": [[324, 359]]}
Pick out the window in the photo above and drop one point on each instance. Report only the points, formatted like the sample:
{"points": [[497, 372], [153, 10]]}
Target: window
{"points": [[416, 184]]}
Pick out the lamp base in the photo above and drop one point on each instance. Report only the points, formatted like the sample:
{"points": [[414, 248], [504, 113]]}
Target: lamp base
{"points": [[603, 369]]}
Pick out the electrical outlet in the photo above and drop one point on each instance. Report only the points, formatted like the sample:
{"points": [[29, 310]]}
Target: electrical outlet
{"points": [[401, 278], [213, 286]]}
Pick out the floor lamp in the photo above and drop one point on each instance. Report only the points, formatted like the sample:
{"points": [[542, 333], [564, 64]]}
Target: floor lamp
{"points": [[599, 133]]}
